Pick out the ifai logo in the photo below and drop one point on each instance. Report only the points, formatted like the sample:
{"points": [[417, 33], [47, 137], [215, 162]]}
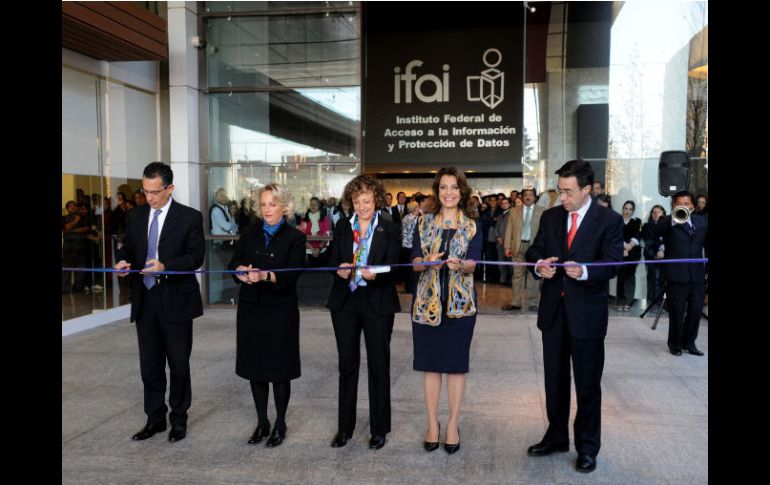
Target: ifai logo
{"points": [[440, 94], [490, 82]]}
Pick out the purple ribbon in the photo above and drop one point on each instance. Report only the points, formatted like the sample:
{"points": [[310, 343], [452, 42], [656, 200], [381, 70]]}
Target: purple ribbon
{"points": [[398, 265]]}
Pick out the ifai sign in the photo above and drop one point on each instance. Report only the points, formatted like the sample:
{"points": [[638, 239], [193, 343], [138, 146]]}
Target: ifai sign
{"points": [[437, 93], [440, 89], [490, 83]]}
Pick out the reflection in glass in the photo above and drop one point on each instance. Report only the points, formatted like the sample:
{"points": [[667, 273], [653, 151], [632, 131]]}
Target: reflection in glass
{"points": [[300, 124], [236, 7], [283, 128], [304, 50], [654, 87], [92, 230], [108, 136]]}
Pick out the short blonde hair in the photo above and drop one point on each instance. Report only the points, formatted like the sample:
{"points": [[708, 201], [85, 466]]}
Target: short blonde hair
{"points": [[282, 196], [411, 206]]}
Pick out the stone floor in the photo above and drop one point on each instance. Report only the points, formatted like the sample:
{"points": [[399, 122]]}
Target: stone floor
{"points": [[654, 419]]}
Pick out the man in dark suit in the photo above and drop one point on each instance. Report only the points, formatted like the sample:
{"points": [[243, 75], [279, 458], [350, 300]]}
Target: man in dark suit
{"points": [[574, 309], [686, 283], [400, 207], [163, 235], [390, 211]]}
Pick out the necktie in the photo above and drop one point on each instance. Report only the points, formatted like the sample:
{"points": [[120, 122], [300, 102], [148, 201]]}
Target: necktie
{"points": [[572, 230], [152, 247], [527, 218], [690, 230]]}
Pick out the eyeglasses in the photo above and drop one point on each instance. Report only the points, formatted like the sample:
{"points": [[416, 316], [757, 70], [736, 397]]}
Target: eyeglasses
{"points": [[567, 192], [153, 192]]}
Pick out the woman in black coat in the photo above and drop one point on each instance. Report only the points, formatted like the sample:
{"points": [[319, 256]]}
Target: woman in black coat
{"points": [[364, 300], [652, 235], [632, 251], [267, 339]]}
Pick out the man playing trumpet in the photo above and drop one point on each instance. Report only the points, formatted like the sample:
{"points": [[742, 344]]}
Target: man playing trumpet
{"points": [[685, 236]]}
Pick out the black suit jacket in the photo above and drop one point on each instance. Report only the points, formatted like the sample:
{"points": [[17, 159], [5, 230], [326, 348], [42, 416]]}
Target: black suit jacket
{"points": [[680, 245], [599, 238], [652, 234], [286, 250], [396, 214], [386, 245], [181, 247], [633, 230]]}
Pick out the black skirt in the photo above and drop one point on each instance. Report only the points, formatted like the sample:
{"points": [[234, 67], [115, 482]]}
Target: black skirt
{"points": [[267, 341], [444, 348]]}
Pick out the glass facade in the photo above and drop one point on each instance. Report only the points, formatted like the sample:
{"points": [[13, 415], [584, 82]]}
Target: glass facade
{"points": [[284, 103], [109, 133], [284, 106], [281, 84], [653, 88]]}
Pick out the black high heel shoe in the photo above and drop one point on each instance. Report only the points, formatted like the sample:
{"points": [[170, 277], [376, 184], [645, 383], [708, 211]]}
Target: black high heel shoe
{"points": [[432, 445], [259, 433], [455, 447], [276, 437]]}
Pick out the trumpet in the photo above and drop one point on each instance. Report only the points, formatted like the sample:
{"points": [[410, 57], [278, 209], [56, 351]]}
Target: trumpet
{"points": [[680, 214]]}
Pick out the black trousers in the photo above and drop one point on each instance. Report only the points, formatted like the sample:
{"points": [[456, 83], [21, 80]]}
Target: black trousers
{"points": [[354, 316], [161, 341], [655, 282], [405, 272], [491, 271], [626, 284], [685, 304], [76, 253], [588, 363]]}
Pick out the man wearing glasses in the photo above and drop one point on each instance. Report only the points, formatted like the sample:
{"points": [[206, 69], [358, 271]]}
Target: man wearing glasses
{"points": [[573, 309], [163, 235]]}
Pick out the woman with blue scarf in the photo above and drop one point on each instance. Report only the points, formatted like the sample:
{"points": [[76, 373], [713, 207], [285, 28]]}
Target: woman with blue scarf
{"points": [[267, 338], [363, 300]]}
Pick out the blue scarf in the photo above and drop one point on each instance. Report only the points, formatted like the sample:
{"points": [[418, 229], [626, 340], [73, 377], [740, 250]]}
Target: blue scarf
{"points": [[269, 231], [361, 246]]}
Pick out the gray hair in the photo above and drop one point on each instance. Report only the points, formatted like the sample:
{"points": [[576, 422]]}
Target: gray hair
{"points": [[282, 196]]}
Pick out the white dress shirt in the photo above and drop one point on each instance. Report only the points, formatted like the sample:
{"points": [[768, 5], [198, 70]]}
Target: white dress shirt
{"points": [[581, 215]]}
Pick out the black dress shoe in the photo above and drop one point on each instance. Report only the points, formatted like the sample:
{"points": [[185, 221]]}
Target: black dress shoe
{"points": [[454, 447], [259, 433], [177, 434], [377, 441], [341, 439], [693, 350], [149, 430], [432, 445], [544, 449], [675, 351], [276, 437], [585, 463]]}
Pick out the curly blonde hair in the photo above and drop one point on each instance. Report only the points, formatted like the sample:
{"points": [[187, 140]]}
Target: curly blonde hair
{"points": [[365, 183], [282, 196]]}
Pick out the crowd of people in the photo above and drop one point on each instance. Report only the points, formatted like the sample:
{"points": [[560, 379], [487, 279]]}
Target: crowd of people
{"points": [[87, 221], [507, 223]]}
